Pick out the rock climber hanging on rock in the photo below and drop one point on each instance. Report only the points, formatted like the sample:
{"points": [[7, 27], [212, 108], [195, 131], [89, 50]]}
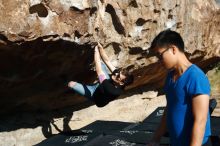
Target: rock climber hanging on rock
{"points": [[109, 86]]}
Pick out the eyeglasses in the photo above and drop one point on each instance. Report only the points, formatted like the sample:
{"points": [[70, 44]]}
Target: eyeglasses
{"points": [[116, 71], [160, 55], [117, 74]]}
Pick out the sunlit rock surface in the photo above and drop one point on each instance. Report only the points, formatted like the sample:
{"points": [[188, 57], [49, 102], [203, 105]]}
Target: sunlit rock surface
{"points": [[45, 43]]}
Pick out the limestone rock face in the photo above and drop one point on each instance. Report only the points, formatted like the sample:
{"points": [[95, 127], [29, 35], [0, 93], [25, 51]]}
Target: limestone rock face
{"points": [[44, 43]]}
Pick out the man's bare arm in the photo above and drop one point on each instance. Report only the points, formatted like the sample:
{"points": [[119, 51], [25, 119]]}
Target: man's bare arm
{"points": [[200, 106]]}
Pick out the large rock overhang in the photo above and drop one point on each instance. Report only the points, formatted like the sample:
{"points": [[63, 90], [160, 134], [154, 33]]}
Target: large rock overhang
{"points": [[44, 44]]}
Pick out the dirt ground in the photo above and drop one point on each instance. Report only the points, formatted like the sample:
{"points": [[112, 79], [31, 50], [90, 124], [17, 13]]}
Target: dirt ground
{"points": [[130, 109], [30, 129]]}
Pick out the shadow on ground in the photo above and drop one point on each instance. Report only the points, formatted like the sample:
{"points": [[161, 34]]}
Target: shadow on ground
{"points": [[43, 119], [33, 119], [113, 133], [105, 133]]}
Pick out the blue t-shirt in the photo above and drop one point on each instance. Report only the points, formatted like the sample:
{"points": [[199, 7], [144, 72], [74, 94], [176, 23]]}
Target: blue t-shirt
{"points": [[179, 96]]}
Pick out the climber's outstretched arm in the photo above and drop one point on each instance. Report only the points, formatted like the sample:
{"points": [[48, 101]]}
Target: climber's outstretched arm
{"points": [[98, 66], [105, 58]]}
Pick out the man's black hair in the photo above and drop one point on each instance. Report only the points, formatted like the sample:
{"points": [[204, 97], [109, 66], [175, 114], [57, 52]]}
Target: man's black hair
{"points": [[167, 38]]}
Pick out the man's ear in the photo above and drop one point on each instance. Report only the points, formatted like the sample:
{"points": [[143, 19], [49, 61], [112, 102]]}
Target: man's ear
{"points": [[174, 49]]}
